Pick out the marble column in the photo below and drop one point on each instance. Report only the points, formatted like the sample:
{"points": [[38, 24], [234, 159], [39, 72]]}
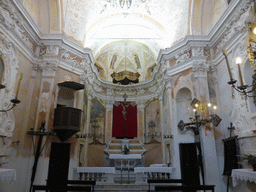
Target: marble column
{"points": [[208, 145]]}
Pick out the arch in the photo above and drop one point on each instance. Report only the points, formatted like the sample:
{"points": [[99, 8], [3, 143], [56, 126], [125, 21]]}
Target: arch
{"points": [[205, 13]]}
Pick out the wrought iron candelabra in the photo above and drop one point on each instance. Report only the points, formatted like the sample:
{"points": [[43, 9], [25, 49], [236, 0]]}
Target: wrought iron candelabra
{"points": [[196, 123]]}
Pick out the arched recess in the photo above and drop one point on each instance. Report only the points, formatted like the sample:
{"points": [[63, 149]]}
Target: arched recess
{"points": [[183, 100]]}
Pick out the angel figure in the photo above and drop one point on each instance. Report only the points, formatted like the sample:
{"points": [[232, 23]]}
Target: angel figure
{"points": [[137, 61], [113, 60]]}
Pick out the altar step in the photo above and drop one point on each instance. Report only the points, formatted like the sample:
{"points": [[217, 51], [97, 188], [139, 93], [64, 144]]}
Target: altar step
{"points": [[121, 188], [115, 146], [124, 178]]}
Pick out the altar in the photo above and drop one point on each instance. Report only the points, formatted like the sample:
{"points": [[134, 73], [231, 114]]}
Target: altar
{"points": [[126, 162]]}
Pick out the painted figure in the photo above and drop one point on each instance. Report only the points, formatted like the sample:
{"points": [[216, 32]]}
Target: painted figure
{"points": [[137, 61], [113, 60]]}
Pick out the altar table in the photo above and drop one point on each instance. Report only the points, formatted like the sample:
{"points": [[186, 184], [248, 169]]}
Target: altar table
{"points": [[243, 174]]}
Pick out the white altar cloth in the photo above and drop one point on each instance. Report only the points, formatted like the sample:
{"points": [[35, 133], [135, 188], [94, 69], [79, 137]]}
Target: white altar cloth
{"points": [[153, 169], [123, 157], [243, 174], [8, 174], [95, 169]]}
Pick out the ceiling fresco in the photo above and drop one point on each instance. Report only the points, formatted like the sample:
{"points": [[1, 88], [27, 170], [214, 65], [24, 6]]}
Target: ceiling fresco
{"points": [[156, 23], [126, 55]]}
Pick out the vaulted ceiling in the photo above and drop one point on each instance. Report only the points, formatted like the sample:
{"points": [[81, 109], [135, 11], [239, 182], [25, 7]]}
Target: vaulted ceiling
{"points": [[116, 27]]}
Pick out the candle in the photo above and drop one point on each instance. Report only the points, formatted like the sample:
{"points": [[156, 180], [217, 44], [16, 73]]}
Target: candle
{"points": [[229, 70], [240, 76], [18, 85]]}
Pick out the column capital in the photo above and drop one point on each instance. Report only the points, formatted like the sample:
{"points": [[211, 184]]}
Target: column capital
{"points": [[200, 69]]}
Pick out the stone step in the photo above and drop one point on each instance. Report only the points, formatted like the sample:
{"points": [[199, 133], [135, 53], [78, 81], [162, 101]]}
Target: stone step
{"points": [[121, 188]]}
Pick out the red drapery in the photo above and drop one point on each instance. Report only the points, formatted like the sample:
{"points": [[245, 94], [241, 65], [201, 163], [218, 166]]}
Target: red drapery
{"points": [[118, 121]]}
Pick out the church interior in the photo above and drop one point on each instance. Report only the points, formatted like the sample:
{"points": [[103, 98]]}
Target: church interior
{"points": [[124, 93]]}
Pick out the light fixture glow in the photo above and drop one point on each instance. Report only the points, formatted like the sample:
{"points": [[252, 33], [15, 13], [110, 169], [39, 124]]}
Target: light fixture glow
{"points": [[209, 104], [238, 60], [196, 105], [254, 30], [215, 107], [194, 110]]}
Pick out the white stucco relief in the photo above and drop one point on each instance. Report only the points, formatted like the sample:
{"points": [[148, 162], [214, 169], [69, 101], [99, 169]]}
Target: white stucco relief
{"points": [[9, 54]]}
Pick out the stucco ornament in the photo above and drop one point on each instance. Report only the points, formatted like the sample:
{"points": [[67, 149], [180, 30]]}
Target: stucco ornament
{"points": [[9, 54], [238, 24], [10, 19], [182, 57]]}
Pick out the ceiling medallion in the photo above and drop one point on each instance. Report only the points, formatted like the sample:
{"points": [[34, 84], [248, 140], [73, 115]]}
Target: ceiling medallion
{"points": [[125, 4]]}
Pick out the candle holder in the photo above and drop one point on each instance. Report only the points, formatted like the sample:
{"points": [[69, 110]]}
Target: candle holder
{"points": [[242, 88], [197, 122], [15, 101]]}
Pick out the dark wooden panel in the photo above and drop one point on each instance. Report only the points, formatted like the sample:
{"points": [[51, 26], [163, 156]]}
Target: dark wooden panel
{"points": [[189, 164], [58, 164]]}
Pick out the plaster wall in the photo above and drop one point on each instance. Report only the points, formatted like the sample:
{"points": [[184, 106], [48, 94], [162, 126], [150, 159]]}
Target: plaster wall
{"points": [[232, 107]]}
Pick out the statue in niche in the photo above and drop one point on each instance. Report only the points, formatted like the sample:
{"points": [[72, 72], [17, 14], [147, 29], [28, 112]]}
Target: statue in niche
{"points": [[137, 61], [113, 60]]}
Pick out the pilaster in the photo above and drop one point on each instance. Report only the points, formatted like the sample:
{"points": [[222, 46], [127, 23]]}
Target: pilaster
{"points": [[46, 95], [108, 125], [140, 120], [87, 127], [162, 127], [208, 144]]}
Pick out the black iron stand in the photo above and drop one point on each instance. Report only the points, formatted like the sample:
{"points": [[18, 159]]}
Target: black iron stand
{"points": [[40, 133]]}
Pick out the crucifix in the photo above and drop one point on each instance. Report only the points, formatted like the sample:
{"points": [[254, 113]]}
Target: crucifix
{"points": [[125, 105]]}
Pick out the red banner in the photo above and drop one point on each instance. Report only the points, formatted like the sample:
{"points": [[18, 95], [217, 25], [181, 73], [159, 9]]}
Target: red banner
{"points": [[118, 121]]}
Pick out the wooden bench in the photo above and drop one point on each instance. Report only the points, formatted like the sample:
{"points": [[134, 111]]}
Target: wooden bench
{"points": [[163, 181], [73, 185], [185, 188]]}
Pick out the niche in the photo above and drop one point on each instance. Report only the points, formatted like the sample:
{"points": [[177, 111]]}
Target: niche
{"points": [[183, 100]]}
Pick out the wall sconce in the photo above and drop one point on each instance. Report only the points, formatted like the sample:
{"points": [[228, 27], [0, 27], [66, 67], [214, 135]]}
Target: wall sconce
{"points": [[15, 101], [242, 88]]}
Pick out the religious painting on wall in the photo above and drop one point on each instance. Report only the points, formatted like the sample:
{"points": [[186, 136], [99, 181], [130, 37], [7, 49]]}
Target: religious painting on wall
{"points": [[153, 122], [97, 123]]}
